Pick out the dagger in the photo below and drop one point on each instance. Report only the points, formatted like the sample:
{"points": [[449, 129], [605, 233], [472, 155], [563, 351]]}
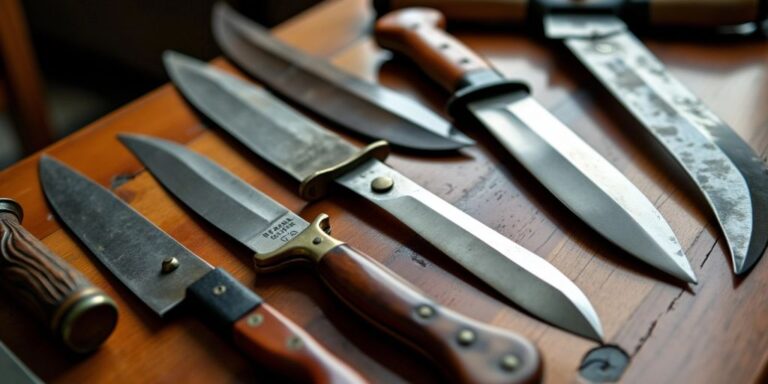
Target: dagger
{"points": [[576, 174], [732, 178], [319, 159], [468, 351], [356, 105], [164, 274]]}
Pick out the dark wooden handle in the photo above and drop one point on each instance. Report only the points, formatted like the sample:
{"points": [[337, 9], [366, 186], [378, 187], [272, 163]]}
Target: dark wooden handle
{"points": [[702, 13], [466, 350], [419, 33], [81, 315], [278, 343]]}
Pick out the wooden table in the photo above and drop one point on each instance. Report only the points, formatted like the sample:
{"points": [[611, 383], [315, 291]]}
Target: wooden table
{"points": [[716, 331]]}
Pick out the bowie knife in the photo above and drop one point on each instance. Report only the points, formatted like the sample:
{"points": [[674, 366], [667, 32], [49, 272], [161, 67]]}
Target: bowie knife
{"points": [[352, 103], [567, 166], [163, 274], [319, 159], [725, 169], [466, 350]]}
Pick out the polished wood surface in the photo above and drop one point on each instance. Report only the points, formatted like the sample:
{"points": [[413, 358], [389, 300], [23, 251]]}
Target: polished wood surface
{"points": [[711, 332]]}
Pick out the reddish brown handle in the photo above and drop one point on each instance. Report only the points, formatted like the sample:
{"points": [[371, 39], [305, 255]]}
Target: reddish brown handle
{"points": [[81, 315], [468, 351], [419, 34], [277, 342]]}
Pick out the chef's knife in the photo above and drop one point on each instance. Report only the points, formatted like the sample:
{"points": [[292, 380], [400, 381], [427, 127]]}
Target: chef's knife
{"points": [[352, 103], [319, 159], [13, 370], [466, 350], [81, 315], [726, 170], [163, 274]]}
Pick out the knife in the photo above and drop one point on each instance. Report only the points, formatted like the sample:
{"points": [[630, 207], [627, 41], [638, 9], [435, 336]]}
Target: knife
{"points": [[466, 350], [79, 314], [567, 166], [319, 159], [13, 370], [368, 109], [724, 168], [163, 274]]}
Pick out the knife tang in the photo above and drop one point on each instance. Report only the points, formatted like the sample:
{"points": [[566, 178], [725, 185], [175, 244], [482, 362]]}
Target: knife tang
{"points": [[264, 334], [81, 315]]}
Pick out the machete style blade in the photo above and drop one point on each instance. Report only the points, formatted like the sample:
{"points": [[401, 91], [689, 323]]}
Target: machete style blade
{"points": [[131, 247], [359, 106], [299, 147], [733, 179], [217, 195]]}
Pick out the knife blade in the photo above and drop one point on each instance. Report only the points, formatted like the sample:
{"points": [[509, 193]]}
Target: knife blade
{"points": [[467, 351], [163, 274], [354, 104], [585, 182], [13, 370], [319, 159], [729, 174]]}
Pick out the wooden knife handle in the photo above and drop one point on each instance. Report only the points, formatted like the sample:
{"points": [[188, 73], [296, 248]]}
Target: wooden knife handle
{"points": [[79, 314], [419, 33], [468, 351], [277, 342]]}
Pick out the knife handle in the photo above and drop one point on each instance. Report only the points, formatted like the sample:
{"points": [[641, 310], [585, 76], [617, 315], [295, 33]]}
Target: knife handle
{"points": [[419, 34], [467, 350], [78, 313], [472, 11]]}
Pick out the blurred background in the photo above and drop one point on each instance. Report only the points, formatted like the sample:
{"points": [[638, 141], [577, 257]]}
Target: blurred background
{"points": [[65, 63]]}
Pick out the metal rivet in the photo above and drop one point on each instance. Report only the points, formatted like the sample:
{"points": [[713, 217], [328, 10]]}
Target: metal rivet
{"points": [[382, 184], [317, 241], [294, 343], [466, 337], [169, 265], [255, 320], [219, 289], [425, 311], [604, 47], [510, 363]]}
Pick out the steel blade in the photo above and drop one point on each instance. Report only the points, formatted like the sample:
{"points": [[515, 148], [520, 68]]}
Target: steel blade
{"points": [[583, 180], [131, 247], [222, 198], [733, 179], [356, 105], [13, 370]]}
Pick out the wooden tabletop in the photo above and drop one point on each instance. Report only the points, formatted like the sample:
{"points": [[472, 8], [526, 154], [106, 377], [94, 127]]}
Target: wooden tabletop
{"points": [[716, 331]]}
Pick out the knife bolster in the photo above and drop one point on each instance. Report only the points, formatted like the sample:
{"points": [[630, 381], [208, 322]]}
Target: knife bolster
{"points": [[316, 185], [223, 298], [481, 87], [308, 246]]}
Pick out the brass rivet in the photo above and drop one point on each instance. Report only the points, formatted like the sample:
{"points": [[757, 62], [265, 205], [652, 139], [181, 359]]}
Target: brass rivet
{"points": [[382, 184], [510, 363], [604, 47], [425, 311], [294, 343], [219, 289], [317, 241], [255, 320], [466, 337], [169, 265]]}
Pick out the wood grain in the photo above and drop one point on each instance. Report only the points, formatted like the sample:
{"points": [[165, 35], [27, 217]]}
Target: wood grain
{"points": [[716, 332]]}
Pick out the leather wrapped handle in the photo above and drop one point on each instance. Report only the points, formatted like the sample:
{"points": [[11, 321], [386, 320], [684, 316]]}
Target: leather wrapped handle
{"points": [[468, 351], [78, 313], [419, 34], [273, 340]]}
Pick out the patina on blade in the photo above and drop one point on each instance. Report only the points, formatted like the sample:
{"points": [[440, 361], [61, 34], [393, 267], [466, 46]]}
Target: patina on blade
{"points": [[238, 209], [355, 104], [131, 247], [733, 179]]}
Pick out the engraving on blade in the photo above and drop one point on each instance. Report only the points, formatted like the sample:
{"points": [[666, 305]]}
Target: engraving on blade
{"points": [[526, 279], [583, 181], [222, 198], [357, 105], [691, 133], [297, 145], [131, 247]]}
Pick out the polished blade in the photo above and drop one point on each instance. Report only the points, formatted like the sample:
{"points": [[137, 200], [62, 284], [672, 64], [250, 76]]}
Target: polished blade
{"points": [[583, 180], [731, 176], [222, 198], [299, 148], [131, 247], [355, 104]]}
